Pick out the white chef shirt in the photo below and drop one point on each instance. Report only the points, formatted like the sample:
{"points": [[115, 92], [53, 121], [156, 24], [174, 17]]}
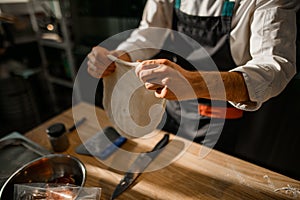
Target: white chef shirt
{"points": [[263, 40]]}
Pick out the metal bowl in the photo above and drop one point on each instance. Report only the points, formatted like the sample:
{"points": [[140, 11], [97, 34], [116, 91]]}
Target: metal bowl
{"points": [[52, 168]]}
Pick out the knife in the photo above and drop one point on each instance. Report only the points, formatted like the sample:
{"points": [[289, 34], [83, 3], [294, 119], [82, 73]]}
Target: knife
{"points": [[138, 166]]}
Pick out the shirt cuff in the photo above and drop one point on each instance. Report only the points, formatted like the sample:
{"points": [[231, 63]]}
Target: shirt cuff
{"points": [[258, 92], [247, 106]]}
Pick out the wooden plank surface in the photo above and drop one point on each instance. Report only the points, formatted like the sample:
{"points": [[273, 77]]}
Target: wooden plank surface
{"points": [[185, 175]]}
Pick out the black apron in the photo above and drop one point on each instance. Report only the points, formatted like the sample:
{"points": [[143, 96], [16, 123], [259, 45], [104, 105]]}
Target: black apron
{"points": [[212, 33], [269, 137]]}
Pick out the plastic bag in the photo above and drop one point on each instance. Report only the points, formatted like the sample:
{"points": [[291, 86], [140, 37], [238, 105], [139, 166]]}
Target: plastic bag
{"points": [[45, 191]]}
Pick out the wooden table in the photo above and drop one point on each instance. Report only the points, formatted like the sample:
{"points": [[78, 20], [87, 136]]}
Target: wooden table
{"points": [[189, 176]]}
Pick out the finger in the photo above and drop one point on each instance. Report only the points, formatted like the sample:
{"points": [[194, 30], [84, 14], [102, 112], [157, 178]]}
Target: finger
{"points": [[92, 60], [166, 62], [141, 67], [151, 78], [91, 66], [155, 75], [99, 56], [94, 64], [93, 73], [153, 86], [146, 69], [161, 92]]}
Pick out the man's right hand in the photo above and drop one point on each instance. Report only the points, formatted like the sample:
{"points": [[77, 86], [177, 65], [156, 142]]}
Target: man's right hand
{"points": [[99, 65]]}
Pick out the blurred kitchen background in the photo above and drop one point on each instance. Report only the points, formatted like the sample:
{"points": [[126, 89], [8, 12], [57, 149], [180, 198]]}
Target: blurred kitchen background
{"points": [[42, 45]]}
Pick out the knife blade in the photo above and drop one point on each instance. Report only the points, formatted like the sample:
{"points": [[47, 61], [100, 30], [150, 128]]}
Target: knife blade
{"points": [[138, 166]]}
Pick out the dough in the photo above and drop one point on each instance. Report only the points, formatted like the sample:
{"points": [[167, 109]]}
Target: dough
{"points": [[133, 110]]}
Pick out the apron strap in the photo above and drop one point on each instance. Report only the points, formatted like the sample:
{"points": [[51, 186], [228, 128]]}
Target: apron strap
{"points": [[228, 8], [229, 3], [177, 4]]}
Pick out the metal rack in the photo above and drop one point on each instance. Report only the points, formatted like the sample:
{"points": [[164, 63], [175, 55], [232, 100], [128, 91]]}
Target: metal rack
{"points": [[65, 44]]}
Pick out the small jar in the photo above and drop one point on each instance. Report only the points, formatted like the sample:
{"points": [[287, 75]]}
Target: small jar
{"points": [[57, 136]]}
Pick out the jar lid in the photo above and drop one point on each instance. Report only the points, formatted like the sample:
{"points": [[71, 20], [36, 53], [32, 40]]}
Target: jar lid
{"points": [[56, 130]]}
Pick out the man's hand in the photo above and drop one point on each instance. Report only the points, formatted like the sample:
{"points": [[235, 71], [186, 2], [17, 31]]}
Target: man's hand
{"points": [[172, 82], [168, 79], [99, 65]]}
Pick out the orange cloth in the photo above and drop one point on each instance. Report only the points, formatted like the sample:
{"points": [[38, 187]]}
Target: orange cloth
{"points": [[219, 112]]}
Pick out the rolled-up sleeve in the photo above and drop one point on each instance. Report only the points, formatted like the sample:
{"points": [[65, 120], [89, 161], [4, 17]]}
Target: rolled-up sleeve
{"points": [[273, 51]]}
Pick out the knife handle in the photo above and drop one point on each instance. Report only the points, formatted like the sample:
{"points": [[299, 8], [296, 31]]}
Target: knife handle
{"points": [[162, 143]]}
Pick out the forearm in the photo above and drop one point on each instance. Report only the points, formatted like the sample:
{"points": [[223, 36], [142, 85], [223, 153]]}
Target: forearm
{"points": [[174, 83], [228, 86]]}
